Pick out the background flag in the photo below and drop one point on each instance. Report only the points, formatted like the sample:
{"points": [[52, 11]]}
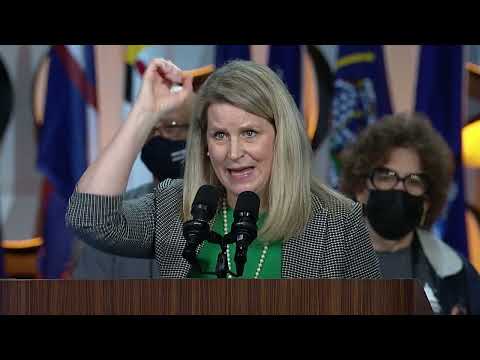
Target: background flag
{"points": [[361, 96], [286, 61], [67, 143], [225, 53], [439, 96]]}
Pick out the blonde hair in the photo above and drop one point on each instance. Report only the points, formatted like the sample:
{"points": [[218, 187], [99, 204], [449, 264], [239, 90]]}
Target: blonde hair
{"points": [[258, 90]]}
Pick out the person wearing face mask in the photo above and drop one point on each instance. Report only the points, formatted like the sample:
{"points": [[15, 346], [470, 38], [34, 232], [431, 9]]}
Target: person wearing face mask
{"points": [[164, 155], [246, 134], [401, 169]]}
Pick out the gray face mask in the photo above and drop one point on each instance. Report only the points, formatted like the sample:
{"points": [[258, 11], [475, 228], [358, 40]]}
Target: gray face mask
{"points": [[394, 213]]}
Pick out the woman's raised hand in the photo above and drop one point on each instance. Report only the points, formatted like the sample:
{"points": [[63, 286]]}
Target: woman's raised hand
{"points": [[155, 99]]}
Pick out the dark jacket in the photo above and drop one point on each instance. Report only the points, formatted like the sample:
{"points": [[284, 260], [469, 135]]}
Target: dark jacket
{"points": [[454, 280]]}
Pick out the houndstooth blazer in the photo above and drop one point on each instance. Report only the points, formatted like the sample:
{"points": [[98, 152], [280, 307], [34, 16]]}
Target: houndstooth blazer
{"points": [[334, 244]]}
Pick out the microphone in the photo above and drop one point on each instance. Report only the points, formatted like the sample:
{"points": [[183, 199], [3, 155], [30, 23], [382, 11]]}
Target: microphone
{"points": [[244, 227], [197, 230]]}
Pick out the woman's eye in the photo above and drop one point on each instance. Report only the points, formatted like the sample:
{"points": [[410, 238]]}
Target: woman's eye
{"points": [[219, 135], [250, 133]]}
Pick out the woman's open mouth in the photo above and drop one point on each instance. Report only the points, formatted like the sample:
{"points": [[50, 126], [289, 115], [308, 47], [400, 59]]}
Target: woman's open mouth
{"points": [[241, 173]]}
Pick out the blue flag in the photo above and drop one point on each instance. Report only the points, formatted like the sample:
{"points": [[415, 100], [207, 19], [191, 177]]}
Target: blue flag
{"points": [[62, 148], [439, 96], [225, 53], [55, 255], [361, 96], [285, 60]]}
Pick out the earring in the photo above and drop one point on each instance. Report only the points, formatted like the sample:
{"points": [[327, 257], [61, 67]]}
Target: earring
{"points": [[208, 154]]}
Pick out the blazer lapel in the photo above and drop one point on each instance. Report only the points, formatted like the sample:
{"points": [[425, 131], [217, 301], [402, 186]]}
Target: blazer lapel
{"points": [[302, 256], [170, 242]]}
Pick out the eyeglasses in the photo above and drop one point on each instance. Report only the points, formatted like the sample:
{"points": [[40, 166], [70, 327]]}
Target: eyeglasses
{"points": [[172, 130], [387, 179]]}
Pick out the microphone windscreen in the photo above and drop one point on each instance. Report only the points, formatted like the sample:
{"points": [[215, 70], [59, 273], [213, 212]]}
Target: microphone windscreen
{"points": [[207, 196], [248, 201]]}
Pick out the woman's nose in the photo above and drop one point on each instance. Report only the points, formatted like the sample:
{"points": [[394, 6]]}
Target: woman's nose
{"points": [[235, 149], [400, 186]]}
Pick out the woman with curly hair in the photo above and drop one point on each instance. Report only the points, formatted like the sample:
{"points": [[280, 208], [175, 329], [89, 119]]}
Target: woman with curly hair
{"points": [[401, 169]]}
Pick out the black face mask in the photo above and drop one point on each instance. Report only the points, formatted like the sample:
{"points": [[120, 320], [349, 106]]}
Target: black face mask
{"points": [[393, 213], [165, 158]]}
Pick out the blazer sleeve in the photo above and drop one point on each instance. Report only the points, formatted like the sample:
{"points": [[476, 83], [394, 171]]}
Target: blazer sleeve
{"points": [[118, 226], [362, 261]]}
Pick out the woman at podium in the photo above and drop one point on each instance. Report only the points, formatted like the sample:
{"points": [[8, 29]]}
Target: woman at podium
{"points": [[246, 135]]}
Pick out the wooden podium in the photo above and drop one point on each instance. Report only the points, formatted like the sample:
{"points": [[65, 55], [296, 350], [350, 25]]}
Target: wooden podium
{"points": [[212, 297]]}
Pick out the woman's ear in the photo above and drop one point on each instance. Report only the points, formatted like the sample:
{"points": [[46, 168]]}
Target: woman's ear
{"points": [[361, 195]]}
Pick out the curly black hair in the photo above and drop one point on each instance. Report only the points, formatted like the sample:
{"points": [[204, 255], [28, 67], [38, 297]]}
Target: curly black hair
{"points": [[375, 144]]}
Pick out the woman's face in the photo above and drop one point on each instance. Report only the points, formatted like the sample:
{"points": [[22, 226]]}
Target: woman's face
{"points": [[397, 205], [240, 146], [403, 161]]}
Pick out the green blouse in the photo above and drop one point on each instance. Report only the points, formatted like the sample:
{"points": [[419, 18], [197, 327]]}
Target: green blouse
{"points": [[207, 256]]}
